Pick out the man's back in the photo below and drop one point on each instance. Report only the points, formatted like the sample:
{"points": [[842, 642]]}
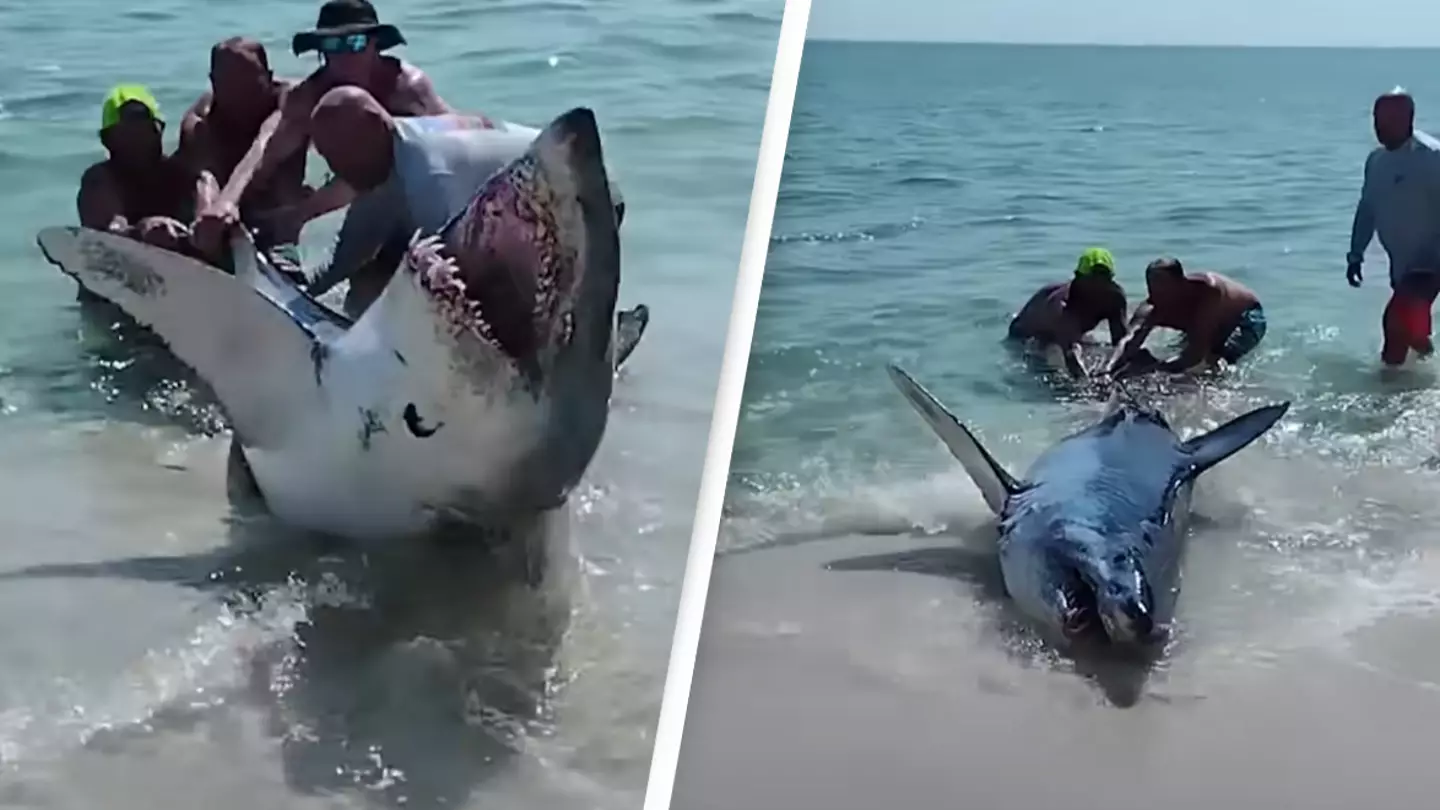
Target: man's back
{"points": [[442, 160], [1040, 315]]}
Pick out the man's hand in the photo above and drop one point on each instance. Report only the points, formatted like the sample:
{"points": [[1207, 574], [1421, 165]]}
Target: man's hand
{"points": [[1353, 274], [212, 226], [163, 232]]}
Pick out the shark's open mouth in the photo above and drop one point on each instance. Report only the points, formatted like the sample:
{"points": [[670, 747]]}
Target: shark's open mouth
{"points": [[529, 267], [469, 300], [1080, 613], [497, 275]]}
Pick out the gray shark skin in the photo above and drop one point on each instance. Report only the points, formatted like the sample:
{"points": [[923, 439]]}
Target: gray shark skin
{"points": [[1092, 539], [476, 388]]}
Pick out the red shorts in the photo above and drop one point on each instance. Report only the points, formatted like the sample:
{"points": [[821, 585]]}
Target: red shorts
{"points": [[1406, 325]]}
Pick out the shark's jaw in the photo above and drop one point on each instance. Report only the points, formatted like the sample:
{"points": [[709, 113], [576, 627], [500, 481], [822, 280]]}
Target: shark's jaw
{"points": [[506, 316], [530, 268]]}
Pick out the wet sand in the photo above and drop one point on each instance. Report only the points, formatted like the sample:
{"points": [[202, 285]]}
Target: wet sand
{"points": [[838, 689]]}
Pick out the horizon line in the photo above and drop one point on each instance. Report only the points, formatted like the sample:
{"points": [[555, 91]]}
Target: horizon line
{"points": [[1133, 45]]}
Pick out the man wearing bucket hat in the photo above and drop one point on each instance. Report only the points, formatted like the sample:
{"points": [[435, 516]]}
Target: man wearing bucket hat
{"points": [[1219, 318], [1060, 315], [351, 42], [138, 190]]}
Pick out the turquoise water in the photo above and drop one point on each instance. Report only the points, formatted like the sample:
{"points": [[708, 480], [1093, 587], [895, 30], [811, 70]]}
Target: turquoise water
{"points": [[131, 690], [928, 190]]}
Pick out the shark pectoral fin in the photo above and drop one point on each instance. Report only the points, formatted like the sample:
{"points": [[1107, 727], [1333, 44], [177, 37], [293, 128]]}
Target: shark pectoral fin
{"points": [[630, 326], [258, 360], [995, 484], [259, 272], [1209, 449], [245, 257]]}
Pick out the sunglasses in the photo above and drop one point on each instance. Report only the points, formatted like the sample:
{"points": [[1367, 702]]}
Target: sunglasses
{"points": [[349, 43]]}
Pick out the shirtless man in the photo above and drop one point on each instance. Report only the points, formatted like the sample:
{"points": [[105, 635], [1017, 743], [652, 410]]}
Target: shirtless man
{"points": [[1061, 314], [351, 41], [1220, 318], [1400, 200], [221, 125], [138, 191]]}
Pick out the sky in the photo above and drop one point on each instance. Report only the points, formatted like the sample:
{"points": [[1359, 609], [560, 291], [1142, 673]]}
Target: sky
{"points": [[1368, 23]]}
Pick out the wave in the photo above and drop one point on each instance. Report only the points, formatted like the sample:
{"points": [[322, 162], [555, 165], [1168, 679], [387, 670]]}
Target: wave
{"points": [[871, 233]]}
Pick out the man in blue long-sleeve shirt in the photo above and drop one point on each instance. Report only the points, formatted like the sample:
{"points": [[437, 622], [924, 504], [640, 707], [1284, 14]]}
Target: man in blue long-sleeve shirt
{"points": [[1400, 202]]}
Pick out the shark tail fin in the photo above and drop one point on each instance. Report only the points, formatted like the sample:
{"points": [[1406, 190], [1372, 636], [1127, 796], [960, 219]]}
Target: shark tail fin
{"points": [[994, 482], [1209, 449]]}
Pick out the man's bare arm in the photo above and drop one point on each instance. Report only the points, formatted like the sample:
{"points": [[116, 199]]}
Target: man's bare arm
{"points": [[1116, 320], [280, 137], [99, 204], [1141, 325], [1073, 363], [332, 196], [1117, 328], [194, 147]]}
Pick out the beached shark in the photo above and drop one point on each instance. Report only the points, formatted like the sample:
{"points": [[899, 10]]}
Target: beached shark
{"points": [[1091, 541], [476, 387]]}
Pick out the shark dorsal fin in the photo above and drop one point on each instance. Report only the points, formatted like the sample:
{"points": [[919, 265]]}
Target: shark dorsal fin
{"points": [[995, 483]]}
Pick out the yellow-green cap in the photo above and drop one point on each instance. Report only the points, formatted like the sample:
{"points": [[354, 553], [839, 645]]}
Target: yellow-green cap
{"points": [[124, 94], [1094, 261]]}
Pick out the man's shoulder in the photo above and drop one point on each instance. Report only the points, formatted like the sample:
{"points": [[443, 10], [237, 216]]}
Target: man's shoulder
{"points": [[407, 71], [1211, 279], [1116, 300], [409, 90], [199, 108], [96, 173], [1229, 287], [301, 96], [408, 75], [1048, 291], [1425, 142]]}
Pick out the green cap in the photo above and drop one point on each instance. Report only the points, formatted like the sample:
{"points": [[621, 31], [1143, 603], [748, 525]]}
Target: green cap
{"points": [[1095, 261], [124, 94]]}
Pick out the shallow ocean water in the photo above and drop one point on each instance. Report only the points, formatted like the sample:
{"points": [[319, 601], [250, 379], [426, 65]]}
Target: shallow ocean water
{"points": [[320, 677], [928, 190]]}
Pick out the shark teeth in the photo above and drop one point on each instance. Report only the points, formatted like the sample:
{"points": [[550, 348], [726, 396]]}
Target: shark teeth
{"points": [[439, 276]]}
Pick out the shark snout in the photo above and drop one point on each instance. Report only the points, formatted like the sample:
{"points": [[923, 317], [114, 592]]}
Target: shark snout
{"points": [[1127, 614]]}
